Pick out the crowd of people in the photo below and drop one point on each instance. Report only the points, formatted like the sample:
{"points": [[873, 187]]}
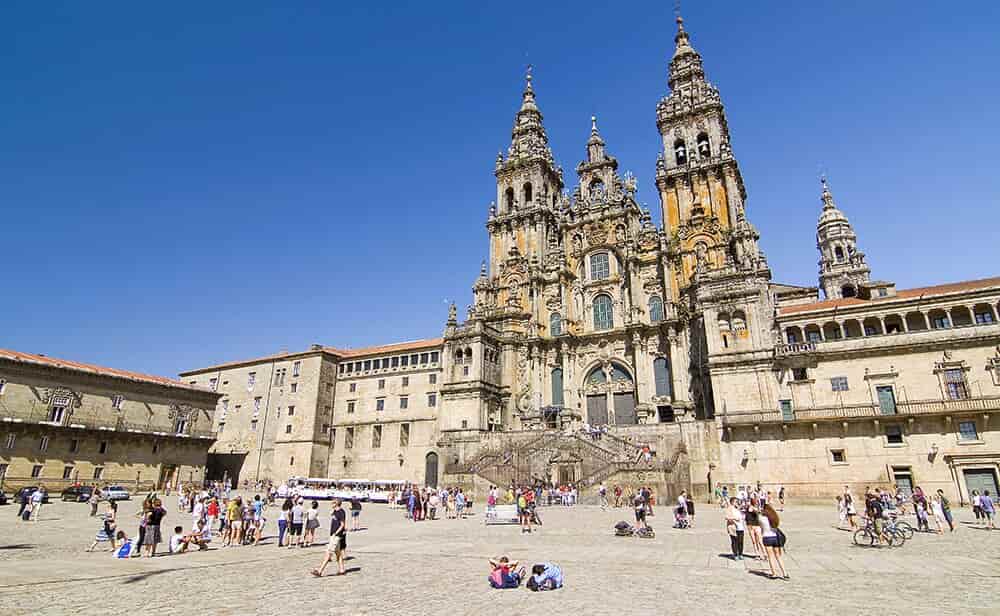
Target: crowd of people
{"points": [[750, 514]]}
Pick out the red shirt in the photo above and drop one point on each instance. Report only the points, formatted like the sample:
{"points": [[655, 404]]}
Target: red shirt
{"points": [[213, 508]]}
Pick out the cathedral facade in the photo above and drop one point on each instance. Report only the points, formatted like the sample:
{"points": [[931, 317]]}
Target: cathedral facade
{"points": [[673, 339]]}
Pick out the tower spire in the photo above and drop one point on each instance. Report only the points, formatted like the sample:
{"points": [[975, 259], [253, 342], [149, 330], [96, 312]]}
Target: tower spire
{"points": [[528, 139], [842, 267]]}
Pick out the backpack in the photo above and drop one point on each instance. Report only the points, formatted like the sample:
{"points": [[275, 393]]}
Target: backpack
{"points": [[645, 533]]}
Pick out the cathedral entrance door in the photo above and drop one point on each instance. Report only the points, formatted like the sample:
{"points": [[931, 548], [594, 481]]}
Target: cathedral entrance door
{"points": [[567, 474], [625, 409], [597, 410], [431, 470]]}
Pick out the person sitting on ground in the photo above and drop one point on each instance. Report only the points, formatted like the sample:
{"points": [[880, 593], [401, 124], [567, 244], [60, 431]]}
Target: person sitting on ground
{"points": [[124, 545], [545, 576], [178, 541], [504, 573]]}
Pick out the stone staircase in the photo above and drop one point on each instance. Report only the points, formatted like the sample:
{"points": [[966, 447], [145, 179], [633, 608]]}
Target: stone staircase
{"points": [[526, 457]]}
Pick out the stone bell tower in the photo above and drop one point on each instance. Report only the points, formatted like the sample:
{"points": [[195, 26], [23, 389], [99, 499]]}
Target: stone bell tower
{"points": [[842, 267], [529, 186], [701, 189], [713, 262]]}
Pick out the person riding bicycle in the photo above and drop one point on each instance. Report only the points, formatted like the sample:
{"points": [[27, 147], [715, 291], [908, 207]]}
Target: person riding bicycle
{"points": [[873, 511]]}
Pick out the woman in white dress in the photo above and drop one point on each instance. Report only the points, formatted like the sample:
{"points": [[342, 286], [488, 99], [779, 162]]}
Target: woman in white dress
{"points": [[938, 510]]}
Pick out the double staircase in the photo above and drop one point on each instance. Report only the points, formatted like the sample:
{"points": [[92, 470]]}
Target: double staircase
{"points": [[528, 458]]}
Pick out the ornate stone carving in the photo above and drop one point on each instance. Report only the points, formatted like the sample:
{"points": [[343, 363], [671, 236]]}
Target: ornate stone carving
{"points": [[55, 394]]}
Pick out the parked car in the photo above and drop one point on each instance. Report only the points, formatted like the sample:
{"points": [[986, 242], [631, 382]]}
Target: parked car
{"points": [[3, 498], [116, 493], [77, 494], [29, 491]]}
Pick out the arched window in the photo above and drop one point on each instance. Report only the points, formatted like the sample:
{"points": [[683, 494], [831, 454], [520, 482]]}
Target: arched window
{"points": [[655, 309], [527, 192], [597, 190], [458, 356], [704, 148], [600, 266], [557, 387], [468, 356], [555, 324], [509, 200], [597, 377], [838, 254], [661, 376], [680, 152], [619, 374], [848, 291], [603, 313]]}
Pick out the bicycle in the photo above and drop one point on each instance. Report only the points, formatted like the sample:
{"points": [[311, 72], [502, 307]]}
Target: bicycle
{"points": [[867, 537]]}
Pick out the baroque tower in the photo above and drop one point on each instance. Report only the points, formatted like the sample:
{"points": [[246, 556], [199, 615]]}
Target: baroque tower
{"points": [[842, 267], [714, 264]]}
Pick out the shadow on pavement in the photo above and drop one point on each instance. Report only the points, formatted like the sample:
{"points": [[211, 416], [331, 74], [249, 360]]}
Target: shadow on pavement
{"points": [[143, 576], [17, 546]]}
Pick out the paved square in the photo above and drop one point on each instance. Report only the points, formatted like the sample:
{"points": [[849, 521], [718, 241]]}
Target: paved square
{"points": [[440, 567]]}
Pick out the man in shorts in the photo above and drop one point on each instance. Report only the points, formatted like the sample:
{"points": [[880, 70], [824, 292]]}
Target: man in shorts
{"points": [[338, 541], [640, 511]]}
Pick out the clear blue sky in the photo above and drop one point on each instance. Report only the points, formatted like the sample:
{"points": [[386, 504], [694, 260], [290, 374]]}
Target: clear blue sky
{"points": [[187, 183]]}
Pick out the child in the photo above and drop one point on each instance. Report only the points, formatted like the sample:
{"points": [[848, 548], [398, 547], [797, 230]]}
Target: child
{"points": [[178, 542], [125, 550], [545, 576], [501, 574]]}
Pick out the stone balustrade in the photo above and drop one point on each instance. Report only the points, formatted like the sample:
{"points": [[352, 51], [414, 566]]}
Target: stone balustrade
{"points": [[985, 404]]}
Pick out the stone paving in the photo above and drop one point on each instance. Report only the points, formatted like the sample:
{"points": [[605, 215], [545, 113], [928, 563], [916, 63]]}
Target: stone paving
{"points": [[440, 567]]}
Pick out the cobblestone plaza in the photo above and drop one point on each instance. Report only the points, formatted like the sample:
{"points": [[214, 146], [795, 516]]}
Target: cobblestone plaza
{"points": [[437, 567]]}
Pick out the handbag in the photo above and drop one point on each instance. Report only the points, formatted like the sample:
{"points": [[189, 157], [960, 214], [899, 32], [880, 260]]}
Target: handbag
{"points": [[781, 537]]}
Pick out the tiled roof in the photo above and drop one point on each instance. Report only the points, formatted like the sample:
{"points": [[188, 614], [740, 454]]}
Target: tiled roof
{"points": [[412, 345], [244, 362], [42, 360], [375, 350], [941, 289]]}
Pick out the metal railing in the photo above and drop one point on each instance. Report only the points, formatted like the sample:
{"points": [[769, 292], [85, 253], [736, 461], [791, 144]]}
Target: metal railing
{"points": [[869, 410], [795, 348]]}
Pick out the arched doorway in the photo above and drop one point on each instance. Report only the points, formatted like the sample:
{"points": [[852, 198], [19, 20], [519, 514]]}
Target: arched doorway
{"points": [[610, 387], [431, 470]]}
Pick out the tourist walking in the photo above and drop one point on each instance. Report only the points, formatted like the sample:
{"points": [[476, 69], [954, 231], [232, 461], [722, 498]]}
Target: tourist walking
{"points": [[774, 541], [850, 509], [284, 521], [106, 533], [640, 511], [25, 502], [212, 513], [602, 491], [938, 511], [735, 528], [337, 545], [355, 513], [152, 536], [298, 521], [989, 508], [258, 518], [37, 499], [977, 508], [920, 508], [94, 501], [752, 516], [312, 523]]}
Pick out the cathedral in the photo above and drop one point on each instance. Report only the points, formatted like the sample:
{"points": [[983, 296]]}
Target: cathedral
{"points": [[594, 336]]}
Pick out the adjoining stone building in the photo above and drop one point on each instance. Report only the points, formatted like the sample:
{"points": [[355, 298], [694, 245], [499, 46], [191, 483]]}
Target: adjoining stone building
{"points": [[63, 422], [586, 313]]}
